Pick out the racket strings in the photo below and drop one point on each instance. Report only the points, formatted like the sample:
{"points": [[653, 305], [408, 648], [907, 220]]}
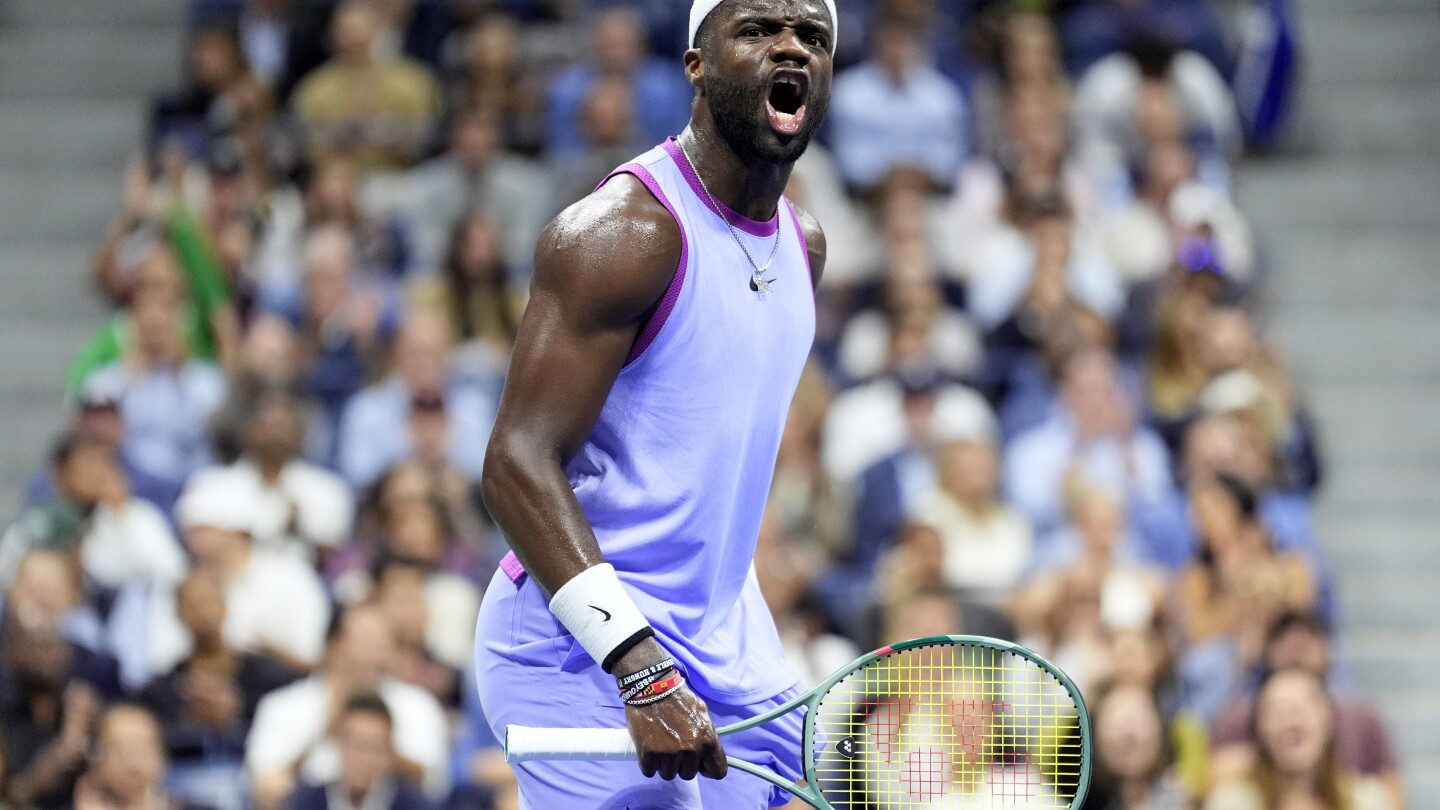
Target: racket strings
{"points": [[948, 725]]}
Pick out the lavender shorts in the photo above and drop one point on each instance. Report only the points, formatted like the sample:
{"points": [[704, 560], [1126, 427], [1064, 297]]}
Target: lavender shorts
{"points": [[520, 650]]}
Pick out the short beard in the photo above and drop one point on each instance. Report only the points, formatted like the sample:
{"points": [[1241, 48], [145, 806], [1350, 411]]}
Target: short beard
{"points": [[733, 108]]}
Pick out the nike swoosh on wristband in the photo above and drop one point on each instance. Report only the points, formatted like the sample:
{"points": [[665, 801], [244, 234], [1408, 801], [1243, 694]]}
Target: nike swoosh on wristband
{"points": [[603, 611]]}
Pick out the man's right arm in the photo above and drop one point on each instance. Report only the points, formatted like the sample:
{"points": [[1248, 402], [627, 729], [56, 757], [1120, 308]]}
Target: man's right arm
{"points": [[600, 269]]}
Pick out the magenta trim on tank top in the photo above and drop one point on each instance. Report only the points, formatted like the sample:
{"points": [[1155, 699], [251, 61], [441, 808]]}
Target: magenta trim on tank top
{"points": [[512, 567], [754, 227], [672, 293]]}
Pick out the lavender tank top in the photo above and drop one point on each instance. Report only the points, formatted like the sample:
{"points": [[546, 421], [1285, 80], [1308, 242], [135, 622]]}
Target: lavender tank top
{"points": [[675, 475]]}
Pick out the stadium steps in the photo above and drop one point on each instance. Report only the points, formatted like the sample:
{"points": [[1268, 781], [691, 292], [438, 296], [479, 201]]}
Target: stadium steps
{"points": [[1351, 228], [75, 77]]}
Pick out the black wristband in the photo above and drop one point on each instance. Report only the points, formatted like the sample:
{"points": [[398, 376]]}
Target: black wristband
{"points": [[626, 646]]}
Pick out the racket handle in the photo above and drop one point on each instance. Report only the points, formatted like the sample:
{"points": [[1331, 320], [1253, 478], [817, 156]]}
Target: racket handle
{"points": [[525, 744]]}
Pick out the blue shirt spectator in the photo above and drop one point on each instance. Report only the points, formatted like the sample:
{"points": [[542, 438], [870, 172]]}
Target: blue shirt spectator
{"points": [[619, 48], [424, 410], [897, 110]]}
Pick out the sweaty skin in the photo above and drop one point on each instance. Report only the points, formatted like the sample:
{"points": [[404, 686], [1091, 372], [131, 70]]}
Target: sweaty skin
{"points": [[600, 270]]}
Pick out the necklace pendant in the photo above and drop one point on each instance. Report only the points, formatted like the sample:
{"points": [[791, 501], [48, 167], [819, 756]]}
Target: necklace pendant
{"points": [[760, 285]]}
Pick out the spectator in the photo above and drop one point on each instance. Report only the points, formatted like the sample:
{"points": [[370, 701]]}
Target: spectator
{"points": [[477, 174], [128, 768], [206, 703], [377, 111], [164, 397], [618, 46], [368, 778], [608, 139], [265, 31], [496, 86], [400, 593], [1231, 594], [342, 325], [988, 545], [274, 603], [1300, 641], [1134, 764], [1092, 437], [288, 741], [118, 538], [474, 291], [1295, 764], [304, 508], [223, 98], [1114, 96], [423, 408], [96, 623], [46, 716], [897, 111]]}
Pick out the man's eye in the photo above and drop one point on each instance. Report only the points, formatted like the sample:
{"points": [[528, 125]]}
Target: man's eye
{"points": [[752, 31], [817, 41]]}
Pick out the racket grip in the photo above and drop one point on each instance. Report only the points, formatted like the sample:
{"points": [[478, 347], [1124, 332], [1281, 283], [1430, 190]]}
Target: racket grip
{"points": [[526, 744]]}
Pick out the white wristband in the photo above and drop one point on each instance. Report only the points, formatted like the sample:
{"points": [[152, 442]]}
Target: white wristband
{"points": [[594, 607]]}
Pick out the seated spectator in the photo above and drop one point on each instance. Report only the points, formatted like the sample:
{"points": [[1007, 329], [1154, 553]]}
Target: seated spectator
{"points": [[1092, 437], [46, 715], [897, 111], [1300, 641], [1296, 765], [1229, 597], [288, 742], [785, 568], [423, 407], [913, 300], [933, 611], [275, 604], [342, 324], [988, 545], [619, 51], [98, 624], [127, 769], [1029, 273], [368, 778], [387, 125], [119, 539], [607, 121], [495, 84], [164, 396], [417, 535], [400, 592], [477, 174], [807, 504], [474, 291], [1114, 96], [266, 34], [304, 509], [1134, 762], [205, 704], [222, 96]]}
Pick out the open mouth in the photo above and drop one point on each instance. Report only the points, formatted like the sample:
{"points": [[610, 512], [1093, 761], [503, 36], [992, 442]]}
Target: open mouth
{"points": [[786, 102]]}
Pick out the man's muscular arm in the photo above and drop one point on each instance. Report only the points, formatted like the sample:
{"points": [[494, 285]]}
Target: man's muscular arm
{"points": [[600, 269]]}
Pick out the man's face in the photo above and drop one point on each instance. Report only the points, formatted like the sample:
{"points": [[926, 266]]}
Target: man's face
{"points": [[766, 74], [366, 750], [132, 758], [274, 433]]}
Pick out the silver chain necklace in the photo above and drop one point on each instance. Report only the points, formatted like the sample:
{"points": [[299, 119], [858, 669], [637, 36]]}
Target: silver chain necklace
{"points": [[758, 283]]}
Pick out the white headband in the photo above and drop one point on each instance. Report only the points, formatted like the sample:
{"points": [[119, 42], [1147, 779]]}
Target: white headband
{"points": [[701, 9]]}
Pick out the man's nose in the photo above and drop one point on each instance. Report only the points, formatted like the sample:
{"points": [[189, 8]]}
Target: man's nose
{"points": [[787, 47]]}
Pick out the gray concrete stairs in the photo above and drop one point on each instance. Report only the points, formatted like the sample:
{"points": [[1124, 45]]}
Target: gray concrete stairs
{"points": [[1352, 230], [75, 76]]}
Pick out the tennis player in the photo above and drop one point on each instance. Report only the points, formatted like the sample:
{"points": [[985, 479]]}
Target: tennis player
{"points": [[671, 315]]}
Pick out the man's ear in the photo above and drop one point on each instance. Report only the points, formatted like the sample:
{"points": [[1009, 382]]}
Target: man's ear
{"points": [[695, 68]]}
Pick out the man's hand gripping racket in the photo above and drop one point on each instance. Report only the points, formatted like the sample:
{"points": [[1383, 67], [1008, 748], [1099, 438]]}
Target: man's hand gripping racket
{"points": [[939, 722]]}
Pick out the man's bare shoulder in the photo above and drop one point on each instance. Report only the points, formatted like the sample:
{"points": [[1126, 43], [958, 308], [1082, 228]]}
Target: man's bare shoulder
{"points": [[814, 242], [619, 247]]}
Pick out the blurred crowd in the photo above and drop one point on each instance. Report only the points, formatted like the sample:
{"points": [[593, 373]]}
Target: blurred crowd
{"points": [[1042, 403]]}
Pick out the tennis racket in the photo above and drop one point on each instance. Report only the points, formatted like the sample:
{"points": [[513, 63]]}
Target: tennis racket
{"points": [[938, 722]]}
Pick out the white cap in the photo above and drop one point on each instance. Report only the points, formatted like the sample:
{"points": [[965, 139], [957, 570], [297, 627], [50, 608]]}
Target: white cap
{"points": [[221, 499], [700, 9]]}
